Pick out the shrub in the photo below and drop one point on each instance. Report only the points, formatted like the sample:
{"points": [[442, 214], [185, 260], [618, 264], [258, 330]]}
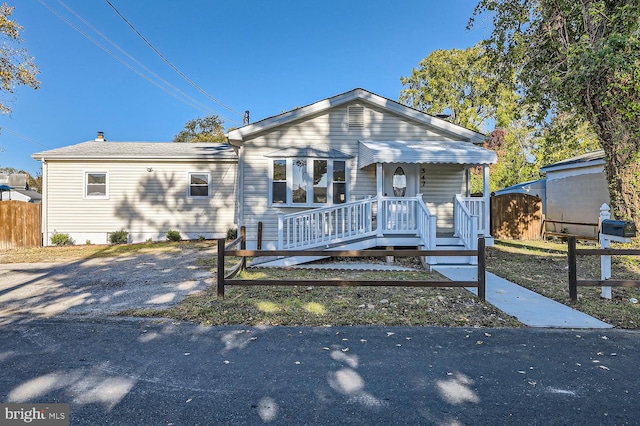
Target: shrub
{"points": [[232, 233], [173, 235], [201, 237], [60, 239], [119, 237]]}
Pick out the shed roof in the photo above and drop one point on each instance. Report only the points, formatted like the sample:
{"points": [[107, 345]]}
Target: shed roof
{"points": [[446, 152], [139, 150], [593, 158]]}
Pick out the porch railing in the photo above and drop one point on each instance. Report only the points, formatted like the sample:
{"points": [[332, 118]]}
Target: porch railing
{"points": [[466, 224], [326, 225], [426, 224], [476, 206], [346, 222]]}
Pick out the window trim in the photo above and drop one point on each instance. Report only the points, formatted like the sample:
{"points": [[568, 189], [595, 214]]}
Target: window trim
{"points": [[309, 180], [85, 192], [209, 189]]}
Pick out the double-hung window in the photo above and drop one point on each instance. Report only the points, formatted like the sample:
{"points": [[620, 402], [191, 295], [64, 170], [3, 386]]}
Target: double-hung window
{"points": [[96, 185], [199, 185], [300, 182]]}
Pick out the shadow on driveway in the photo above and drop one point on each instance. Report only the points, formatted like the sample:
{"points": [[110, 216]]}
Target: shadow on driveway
{"points": [[101, 286]]}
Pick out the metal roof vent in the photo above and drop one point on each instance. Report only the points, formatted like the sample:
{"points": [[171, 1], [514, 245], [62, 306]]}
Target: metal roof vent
{"points": [[100, 137]]}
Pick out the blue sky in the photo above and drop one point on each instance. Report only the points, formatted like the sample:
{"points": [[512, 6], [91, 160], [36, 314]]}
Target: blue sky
{"points": [[263, 56]]}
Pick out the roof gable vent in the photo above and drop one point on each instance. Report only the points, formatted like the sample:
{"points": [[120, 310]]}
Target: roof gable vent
{"points": [[355, 114]]}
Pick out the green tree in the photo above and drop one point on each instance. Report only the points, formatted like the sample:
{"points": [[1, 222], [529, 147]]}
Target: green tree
{"points": [[459, 83], [17, 68], [565, 136], [578, 56], [207, 129]]}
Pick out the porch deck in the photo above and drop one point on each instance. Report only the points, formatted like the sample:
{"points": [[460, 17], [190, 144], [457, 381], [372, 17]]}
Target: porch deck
{"points": [[382, 222]]}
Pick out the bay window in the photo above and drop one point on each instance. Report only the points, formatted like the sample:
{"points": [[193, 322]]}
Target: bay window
{"points": [[308, 181]]}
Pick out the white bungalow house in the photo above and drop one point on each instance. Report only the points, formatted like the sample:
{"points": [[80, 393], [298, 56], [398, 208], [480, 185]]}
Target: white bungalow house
{"points": [[97, 187], [358, 170], [355, 170]]}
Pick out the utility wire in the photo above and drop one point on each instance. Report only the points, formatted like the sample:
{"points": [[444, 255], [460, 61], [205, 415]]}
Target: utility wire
{"points": [[203, 107], [188, 100], [91, 39], [180, 73], [23, 137]]}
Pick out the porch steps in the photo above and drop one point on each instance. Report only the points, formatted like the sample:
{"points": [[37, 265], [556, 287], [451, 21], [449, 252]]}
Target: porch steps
{"points": [[451, 243]]}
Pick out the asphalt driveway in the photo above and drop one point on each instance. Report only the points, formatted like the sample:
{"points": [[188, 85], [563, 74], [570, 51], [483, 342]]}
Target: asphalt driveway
{"points": [[101, 286]]}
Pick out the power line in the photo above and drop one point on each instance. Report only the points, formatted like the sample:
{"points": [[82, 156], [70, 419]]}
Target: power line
{"points": [[91, 39], [23, 137], [184, 98], [180, 73], [203, 107]]}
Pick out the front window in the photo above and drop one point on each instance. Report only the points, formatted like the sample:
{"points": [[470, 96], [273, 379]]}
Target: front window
{"points": [[307, 181], [299, 169], [339, 182], [279, 182], [96, 185], [320, 181], [199, 185]]}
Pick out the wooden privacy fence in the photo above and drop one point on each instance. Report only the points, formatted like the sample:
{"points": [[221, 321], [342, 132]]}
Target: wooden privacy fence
{"points": [[228, 279], [574, 282], [20, 224], [516, 216]]}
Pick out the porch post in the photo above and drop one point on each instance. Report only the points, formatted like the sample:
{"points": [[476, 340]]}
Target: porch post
{"points": [[379, 210], [487, 202]]}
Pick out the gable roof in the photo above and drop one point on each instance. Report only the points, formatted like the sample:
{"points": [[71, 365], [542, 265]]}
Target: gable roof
{"points": [[93, 150], [238, 135], [594, 158]]}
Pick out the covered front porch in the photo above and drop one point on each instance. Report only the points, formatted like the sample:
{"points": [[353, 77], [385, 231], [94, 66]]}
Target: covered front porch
{"points": [[422, 199]]}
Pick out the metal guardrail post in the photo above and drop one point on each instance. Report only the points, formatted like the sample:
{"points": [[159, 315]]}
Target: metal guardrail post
{"points": [[220, 288]]}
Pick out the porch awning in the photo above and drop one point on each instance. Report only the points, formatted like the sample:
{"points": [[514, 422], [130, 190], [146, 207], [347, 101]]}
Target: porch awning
{"points": [[440, 152]]}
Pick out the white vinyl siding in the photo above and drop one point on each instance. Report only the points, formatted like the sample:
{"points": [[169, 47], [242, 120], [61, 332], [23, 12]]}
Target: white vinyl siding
{"points": [[146, 198], [439, 183], [328, 130]]}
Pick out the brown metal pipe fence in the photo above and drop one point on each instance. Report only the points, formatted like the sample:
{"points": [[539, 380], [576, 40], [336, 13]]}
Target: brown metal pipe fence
{"points": [[228, 280], [574, 282]]}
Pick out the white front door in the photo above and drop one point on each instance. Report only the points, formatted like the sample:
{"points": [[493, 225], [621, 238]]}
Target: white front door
{"points": [[399, 180]]}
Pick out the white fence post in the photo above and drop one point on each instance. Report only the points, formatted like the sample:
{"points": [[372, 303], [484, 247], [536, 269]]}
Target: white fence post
{"points": [[280, 231], [605, 260]]}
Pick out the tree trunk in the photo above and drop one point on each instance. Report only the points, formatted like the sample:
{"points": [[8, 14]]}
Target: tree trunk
{"points": [[621, 144]]}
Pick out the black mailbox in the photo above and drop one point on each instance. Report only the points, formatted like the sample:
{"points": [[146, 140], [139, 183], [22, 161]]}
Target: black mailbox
{"points": [[619, 228]]}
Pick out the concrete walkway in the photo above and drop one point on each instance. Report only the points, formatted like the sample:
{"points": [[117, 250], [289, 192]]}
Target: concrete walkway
{"points": [[529, 307]]}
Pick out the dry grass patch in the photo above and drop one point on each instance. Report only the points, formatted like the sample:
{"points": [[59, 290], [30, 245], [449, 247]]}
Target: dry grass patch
{"points": [[54, 254], [542, 267], [333, 306]]}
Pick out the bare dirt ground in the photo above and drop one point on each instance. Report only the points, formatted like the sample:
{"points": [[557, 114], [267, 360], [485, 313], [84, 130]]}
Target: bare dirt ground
{"points": [[101, 286]]}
